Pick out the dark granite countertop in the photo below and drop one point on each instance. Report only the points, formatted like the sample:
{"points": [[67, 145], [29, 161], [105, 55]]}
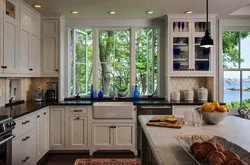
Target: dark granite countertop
{"points": [[31, 106]]}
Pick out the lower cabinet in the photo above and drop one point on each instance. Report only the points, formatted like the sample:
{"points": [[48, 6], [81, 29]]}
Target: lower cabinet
{"points": [[26, 158], [42, 131], [78, 132], [102, 135], [57, 127], [116, 135]]}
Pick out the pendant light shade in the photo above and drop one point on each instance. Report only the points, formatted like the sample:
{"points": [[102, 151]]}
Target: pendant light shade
{"points": [[207, 41]]}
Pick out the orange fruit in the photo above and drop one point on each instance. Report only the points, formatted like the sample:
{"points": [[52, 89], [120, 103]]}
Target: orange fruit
{"points": [[222, 109], [216, 105], [205, 105], [209, 108]]}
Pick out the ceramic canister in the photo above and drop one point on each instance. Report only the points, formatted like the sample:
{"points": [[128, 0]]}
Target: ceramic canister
{"points": [[188, 94], [176, 95], [202, 94]]}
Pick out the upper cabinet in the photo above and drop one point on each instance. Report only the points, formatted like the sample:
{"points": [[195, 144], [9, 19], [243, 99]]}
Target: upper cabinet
{"points": [[186, 56], [29, 42], [10, 37], [50, 47]]}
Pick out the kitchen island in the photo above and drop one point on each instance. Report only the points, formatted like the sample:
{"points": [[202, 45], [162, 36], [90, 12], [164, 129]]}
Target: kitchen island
{"points": [[159, 145]]}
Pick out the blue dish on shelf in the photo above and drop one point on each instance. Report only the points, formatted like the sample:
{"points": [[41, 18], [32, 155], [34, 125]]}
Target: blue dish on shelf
{"points": [[176, 66], [203, 66], [206, 51], [176, 51]]}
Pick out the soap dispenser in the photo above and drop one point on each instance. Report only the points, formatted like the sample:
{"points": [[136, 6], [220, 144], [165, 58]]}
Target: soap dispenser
{"points": [[136, 92]]}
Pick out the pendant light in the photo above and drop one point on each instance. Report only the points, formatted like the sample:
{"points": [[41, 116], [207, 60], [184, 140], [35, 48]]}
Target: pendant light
{"points": [[207, 41]]}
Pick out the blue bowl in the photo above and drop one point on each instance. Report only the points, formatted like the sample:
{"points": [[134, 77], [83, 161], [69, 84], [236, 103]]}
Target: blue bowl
{"points": [[206, 51], [176, 51], [176, 66]]}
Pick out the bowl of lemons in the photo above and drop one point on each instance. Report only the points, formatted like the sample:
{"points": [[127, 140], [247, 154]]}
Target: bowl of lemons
{"points": [[213, 112]]}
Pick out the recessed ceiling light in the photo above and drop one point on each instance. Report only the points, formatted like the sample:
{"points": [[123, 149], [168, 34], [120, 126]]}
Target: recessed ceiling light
{"points": [[74, 12], [150, 12], [112, 12], [189, 12], [37, 6]]}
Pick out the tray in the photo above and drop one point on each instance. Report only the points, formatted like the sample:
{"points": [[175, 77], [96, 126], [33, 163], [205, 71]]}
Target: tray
{"points": [[187, 140]]}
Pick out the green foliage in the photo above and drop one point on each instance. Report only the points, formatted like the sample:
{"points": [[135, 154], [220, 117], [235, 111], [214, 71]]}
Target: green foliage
{"points": [[230, 42], [235, 104]]}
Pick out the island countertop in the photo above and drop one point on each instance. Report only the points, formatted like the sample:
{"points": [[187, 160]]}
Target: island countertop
{"points": [[167, 151]]}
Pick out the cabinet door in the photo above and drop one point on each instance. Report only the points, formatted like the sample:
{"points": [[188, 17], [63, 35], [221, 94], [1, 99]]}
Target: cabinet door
{"points": [[124, 135], [102, 135], [57, 126], [24, 40], [34, 45], [10, 44], [39, 133], [78, 132], [50, 47], [46, 130]]}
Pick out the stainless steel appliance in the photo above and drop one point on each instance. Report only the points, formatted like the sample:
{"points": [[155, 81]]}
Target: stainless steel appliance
{"points": [[52, 91], [6, 136]]}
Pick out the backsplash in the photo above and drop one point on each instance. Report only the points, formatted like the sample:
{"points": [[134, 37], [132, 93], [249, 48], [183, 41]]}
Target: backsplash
{"points": [[40, 83], [182, 83]]}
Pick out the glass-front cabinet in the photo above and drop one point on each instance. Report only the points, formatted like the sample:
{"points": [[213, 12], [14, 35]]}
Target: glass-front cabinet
{"points": [[186, 55]]}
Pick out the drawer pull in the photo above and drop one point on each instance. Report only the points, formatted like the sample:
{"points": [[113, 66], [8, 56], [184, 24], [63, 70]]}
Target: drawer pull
{"points": [[27, 121], [25, 159], [77, 110], [27, 137], [44, 113], [38, 116], [77, 118]]}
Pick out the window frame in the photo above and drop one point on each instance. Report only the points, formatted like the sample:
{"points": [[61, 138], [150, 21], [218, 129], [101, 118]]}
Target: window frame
{"points": [[229, 26], [95, 48]]}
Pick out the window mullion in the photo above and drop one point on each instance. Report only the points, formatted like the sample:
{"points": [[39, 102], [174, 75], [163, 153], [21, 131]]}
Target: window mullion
{"points": [[74, 63], [132, 60], [239, 55], [95, 58]]}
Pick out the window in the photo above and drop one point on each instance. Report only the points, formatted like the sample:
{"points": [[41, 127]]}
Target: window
{"points": [[236, 64], [114, 60], [110, 70], [81, 61], [146, 60]]}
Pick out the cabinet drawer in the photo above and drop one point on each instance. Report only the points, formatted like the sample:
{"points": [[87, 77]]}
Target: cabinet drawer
{"points": [[23, 143], [27, 158], [78, 110], [24, 125]]}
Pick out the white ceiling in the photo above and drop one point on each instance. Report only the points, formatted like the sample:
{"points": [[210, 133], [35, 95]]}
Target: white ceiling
{"points": [[136, 8]]}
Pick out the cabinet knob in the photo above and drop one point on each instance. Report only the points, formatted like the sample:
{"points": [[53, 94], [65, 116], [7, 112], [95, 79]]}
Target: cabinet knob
{"points": [[56, 70], [44, 113], [31, 69], [77, 118], [4, 67], [38, 116]]}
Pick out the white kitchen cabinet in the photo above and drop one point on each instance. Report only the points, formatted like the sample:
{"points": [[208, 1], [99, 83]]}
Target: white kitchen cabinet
{"points": [[112, 136], [124, 135], [78, 135], [46, 130], [186, 56], [29, 42], [179, 110], [102, 135], [57, 128], [50, 47], [10, 39], [39, 134], [27, 158], [42, 141]]}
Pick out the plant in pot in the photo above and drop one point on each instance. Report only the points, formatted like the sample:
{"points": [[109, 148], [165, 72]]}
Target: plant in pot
{"points": [[122, 91]]}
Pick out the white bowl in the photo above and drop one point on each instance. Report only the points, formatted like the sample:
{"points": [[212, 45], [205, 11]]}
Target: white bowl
{"points": [[213, 118]]}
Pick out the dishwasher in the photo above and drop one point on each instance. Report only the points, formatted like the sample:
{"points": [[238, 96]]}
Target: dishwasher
{"points": [[150, 110]]}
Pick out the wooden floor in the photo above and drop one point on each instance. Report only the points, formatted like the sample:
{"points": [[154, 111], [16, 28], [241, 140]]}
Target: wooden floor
{"points": [[69, 159]]}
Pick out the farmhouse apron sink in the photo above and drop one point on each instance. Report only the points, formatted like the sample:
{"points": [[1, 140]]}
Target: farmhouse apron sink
{"points": [[113, 110]]}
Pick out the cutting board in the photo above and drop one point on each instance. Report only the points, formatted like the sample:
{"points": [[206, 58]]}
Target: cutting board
{"points": [[178, 124]]}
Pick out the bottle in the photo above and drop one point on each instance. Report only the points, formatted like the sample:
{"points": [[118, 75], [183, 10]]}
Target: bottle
{"points": [[136, 92], [92, 91], [100, 94]]}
